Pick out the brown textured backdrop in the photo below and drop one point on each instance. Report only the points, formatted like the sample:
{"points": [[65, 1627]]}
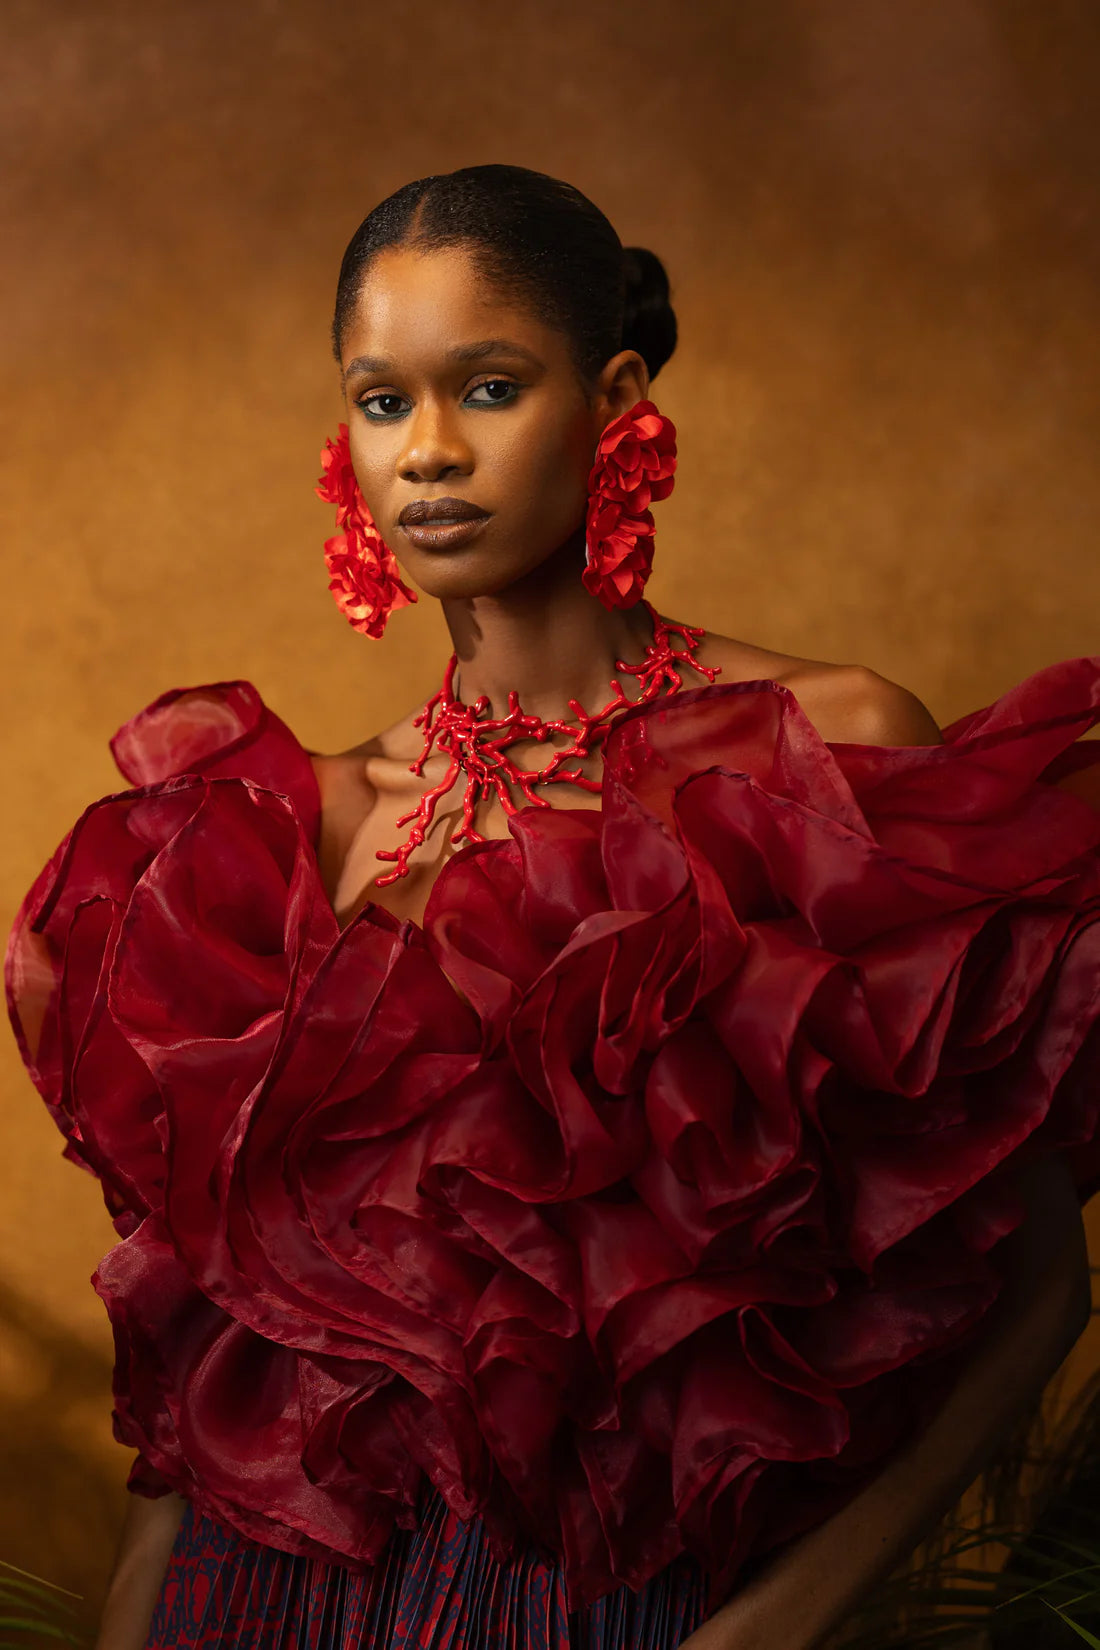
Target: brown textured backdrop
{"points": [[880, 221]]}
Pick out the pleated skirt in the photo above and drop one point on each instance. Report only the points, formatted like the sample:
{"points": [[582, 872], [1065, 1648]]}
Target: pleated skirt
{"points": [[437, 1587]]}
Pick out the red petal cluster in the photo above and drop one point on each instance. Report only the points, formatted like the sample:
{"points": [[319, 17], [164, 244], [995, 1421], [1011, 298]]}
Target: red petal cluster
{"points": [[634, 467], [365, 578], [644, 1198]]}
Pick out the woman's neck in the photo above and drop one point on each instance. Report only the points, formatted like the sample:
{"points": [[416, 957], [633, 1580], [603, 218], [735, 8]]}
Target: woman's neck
{"points": [[548, 640]]}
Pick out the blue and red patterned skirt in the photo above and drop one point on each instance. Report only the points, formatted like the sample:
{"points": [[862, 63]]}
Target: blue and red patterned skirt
{"points": [[437, 1587]]}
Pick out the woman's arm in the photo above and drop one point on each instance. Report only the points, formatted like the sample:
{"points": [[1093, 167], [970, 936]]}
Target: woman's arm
{"points": [[813, 1586], [148, 1534]]}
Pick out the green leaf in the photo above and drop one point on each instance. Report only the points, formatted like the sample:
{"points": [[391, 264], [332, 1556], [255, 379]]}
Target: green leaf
{"points": [[1082, 1632], [24, 1593], [36, 1581], [37, 1609], [40, 1629]]}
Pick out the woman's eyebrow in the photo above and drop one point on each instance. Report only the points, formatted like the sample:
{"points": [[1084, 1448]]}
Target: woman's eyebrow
{"points": [[460, 352], [492, 346]]}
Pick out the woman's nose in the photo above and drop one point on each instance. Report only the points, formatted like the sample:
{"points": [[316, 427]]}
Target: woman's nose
{"points": [[435, 446]]}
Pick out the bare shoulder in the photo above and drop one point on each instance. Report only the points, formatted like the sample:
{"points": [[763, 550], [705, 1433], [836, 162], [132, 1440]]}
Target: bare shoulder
{"points": [[847, 704], [852, 704], [350, 782]]}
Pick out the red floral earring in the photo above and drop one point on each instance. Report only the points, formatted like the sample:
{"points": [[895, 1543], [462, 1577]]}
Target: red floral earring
{"points": [[365, 580], [635, 462]]}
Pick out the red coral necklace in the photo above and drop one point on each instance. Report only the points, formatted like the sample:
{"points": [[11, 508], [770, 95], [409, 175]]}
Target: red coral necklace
{"points": [[477, 744]]}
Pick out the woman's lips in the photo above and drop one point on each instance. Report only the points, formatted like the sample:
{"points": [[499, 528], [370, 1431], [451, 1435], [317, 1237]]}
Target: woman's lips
{"points": [[443, 533]]}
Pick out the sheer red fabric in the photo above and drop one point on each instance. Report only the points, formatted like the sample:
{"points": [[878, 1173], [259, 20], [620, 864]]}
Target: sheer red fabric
{"points": [[662, 1229]]}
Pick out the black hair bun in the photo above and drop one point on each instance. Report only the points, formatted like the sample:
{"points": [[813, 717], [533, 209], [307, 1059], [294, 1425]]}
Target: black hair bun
{"points": [[649, 320]]}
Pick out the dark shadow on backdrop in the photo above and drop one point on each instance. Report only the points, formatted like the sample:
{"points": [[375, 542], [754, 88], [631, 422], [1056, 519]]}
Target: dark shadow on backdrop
{"points": [[57, 1495]]}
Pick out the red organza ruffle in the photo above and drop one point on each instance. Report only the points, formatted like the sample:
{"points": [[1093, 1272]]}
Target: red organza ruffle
{"points": [[662, 1229]]}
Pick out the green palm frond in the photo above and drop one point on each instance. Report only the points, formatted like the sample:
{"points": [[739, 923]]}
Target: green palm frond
{"points": [[36, 1611], [1083, 1632], [950, 1603], [1023, 1572]]}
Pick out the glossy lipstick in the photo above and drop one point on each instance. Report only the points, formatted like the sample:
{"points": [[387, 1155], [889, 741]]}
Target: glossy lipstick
{"points": [[441, 523]]}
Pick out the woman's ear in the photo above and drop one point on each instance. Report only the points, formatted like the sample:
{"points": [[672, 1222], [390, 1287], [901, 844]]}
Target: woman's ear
{"points": [[623, 382]]}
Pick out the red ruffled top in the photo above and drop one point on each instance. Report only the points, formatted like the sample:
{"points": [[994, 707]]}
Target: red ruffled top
{"points": [[662, 1229]]}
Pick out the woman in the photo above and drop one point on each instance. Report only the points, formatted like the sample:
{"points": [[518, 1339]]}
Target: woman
{"points": [[596, 1164]]}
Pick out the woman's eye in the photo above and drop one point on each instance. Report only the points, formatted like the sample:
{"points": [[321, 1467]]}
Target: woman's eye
{"points": [[387, 404], [383, 405], [498, 391]]}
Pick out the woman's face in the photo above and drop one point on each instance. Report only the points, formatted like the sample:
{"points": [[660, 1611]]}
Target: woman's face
{"points": [[457, 393]]}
